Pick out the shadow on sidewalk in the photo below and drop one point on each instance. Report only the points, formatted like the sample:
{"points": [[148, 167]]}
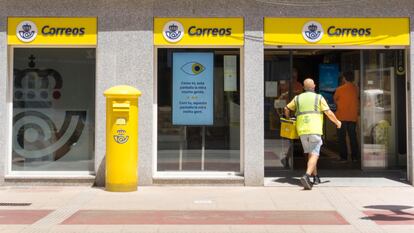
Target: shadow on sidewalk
{"points": [[288, 180], [388, 213], [292, 181]]}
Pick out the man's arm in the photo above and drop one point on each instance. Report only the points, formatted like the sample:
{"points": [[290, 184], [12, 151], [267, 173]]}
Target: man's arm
{"points": [[291, 105], [333, 118], [329, 113], [287, 112]]}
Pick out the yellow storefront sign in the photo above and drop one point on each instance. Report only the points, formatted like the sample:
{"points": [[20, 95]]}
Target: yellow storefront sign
{"points": [[336, 31], [51, 31], [198, 31]]}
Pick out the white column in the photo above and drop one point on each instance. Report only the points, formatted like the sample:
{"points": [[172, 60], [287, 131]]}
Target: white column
{"points": [[252, 108]]}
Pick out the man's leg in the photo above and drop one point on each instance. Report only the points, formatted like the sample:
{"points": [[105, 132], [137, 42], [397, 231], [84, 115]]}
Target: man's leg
{"points": [[351, 128], [311, 168], [306, 149], [343, 151], [311, 145], [312, 162], [315, 171]]}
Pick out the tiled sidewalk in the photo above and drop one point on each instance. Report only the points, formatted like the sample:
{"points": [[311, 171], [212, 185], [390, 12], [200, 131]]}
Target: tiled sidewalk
{"points": [[209, 209]]}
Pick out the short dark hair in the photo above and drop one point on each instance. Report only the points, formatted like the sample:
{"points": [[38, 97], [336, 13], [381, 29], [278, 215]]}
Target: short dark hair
{"points": [[349, 76]]}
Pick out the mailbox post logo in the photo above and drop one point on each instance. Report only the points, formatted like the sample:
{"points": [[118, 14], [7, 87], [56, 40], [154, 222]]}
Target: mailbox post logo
{"points": [[26, 31], [121, 137], [312, 31], [173, 31]]}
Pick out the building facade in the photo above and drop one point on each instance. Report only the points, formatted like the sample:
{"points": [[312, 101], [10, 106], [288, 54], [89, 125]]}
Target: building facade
{"points": [[53, 108]]}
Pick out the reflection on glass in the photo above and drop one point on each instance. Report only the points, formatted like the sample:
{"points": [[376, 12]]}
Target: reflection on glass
{"points": [[277, 94], [53, 116], [379, 110], [199, 148]]}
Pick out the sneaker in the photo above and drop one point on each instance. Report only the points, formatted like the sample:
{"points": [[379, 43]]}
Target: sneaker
{"points": [[306, 182], [316, 180]]}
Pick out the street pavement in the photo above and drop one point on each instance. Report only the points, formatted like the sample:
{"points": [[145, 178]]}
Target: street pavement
{"points": [[348, 205]]}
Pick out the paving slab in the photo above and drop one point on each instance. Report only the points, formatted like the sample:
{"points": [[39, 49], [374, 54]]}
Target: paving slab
{"points": [[22, 216], [122, 217]]}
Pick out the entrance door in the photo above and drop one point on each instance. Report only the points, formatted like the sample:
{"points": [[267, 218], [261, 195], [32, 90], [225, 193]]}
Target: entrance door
{"points": [[378, 75]]}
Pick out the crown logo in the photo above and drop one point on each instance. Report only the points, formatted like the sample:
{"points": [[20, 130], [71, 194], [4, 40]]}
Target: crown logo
{"points": [[312, 27], [36, 88], [173, 31], [27, 27], [312, 31], [173, 27], [26, 31], [121, 131]]}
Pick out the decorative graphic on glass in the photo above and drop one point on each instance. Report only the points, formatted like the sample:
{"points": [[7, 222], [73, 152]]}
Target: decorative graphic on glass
{"points": [[47, 125]]}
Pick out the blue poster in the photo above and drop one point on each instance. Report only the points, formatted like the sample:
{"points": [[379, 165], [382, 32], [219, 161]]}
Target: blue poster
{"points": [[193, 88], [328, 82]]}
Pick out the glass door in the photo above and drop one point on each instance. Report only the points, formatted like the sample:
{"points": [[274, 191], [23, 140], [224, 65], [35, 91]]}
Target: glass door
{"points": [[379, 76], [278, 91], [383, 124]]}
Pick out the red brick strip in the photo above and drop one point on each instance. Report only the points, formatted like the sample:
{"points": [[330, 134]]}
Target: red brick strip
{"points": [[389, 217], [137, 217], [22, 216]]}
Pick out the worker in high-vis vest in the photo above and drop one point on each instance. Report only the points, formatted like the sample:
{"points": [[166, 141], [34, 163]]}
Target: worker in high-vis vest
{"points": [[309, 108]]}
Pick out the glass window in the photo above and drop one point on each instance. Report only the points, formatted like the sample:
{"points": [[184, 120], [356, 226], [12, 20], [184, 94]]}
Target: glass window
{"points": [[195, 143], [53, 109]]}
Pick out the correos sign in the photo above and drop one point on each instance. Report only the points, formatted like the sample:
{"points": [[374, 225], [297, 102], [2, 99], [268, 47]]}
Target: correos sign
{"points": [[198, 31], [336, 31], [313, 31], [52, 31]]}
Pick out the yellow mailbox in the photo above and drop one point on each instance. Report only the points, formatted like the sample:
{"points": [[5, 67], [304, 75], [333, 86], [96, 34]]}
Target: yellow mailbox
{"points": [[121, 138]]}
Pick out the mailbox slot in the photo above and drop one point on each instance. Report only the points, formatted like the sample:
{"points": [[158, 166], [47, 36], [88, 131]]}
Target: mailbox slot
{"points": [[120, 107]]}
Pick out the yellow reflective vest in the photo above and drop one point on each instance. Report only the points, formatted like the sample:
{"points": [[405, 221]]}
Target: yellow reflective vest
{"points": [[309, 117]]}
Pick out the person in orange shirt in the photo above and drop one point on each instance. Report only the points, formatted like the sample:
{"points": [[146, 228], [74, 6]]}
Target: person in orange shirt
{"points": [[346, 100], [297, 86]]}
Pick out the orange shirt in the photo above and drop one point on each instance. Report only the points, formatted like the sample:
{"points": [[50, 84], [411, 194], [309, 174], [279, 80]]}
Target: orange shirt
{"points": [[346, 99], [297, 88]]}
